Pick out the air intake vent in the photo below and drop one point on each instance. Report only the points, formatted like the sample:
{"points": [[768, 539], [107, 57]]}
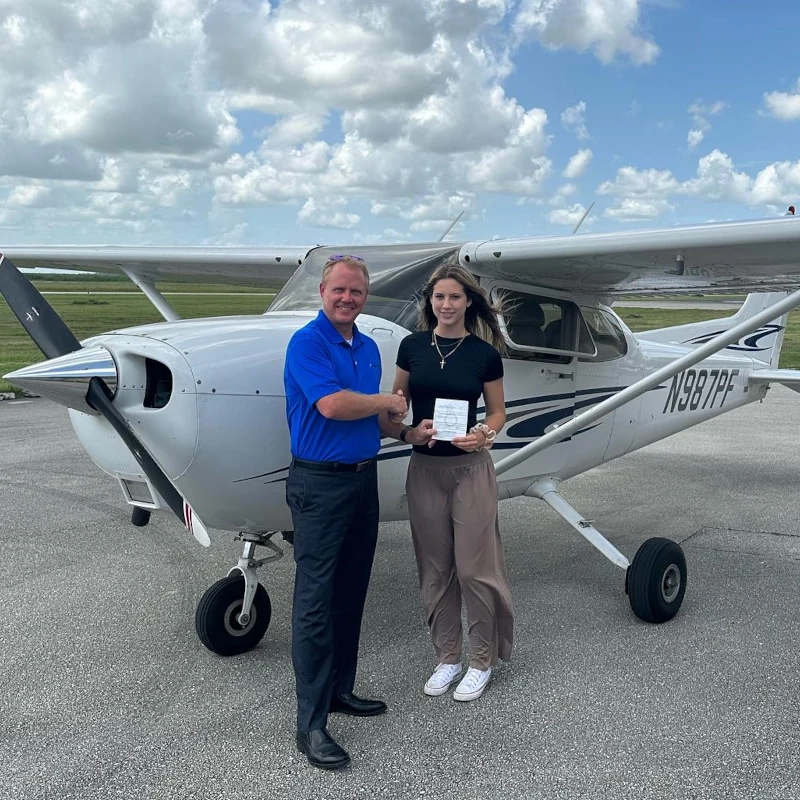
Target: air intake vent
{"points": [[138, 491], [158, 388]]}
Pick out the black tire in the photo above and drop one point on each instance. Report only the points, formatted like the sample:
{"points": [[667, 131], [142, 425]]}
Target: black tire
{"points": [[215, 619], [140, 517], [656, 580]]}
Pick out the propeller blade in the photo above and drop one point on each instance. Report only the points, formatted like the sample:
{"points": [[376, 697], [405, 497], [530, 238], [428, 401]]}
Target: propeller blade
{"points": [[98, 396], [48, 331]]}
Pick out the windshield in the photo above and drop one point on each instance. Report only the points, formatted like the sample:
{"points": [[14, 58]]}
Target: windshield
{"points": [[397, 274]]}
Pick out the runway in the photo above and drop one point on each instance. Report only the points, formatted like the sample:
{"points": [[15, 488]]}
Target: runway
{"points": [[731, 305], [107, 692]]}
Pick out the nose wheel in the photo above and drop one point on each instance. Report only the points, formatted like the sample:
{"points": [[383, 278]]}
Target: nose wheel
{"points": [[219, 621], [234, 613], [140, 516]]}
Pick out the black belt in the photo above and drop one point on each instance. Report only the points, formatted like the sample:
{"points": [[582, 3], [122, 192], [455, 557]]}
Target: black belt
{"points": [[333, 466]]}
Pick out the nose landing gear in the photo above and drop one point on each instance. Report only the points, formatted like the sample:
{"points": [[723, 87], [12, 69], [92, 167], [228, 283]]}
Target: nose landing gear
{"points": [[234, 613]]}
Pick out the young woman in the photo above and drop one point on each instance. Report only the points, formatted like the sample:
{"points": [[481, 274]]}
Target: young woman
{"points": [[451, 485]]}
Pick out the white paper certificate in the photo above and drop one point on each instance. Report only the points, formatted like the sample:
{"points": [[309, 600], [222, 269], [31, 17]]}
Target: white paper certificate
{"points": [[450, 418]]}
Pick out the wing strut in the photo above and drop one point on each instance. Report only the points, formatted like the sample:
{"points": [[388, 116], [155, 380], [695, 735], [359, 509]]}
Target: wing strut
{"points": [[637, 389], [152, 294]]}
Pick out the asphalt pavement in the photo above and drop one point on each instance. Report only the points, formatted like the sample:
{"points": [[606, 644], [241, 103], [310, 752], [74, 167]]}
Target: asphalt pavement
{"points": [[106, 692]]}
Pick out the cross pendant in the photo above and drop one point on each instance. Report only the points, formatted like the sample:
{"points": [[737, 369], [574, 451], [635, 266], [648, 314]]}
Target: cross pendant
{"points": [[441, 364]]}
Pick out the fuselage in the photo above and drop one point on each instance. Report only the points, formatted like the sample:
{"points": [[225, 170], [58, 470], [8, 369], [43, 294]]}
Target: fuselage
{"points": [[206, 398]]}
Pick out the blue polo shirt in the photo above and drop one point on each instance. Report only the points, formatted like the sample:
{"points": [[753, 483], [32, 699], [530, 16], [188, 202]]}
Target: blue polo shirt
{"points": [[319, 362]]}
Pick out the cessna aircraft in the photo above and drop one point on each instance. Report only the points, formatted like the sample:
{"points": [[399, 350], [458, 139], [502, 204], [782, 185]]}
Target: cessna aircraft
{"points": [[189, 415]]}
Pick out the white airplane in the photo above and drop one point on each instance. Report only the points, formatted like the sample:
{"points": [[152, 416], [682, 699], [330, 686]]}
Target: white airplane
{"points": [[188, 415]]}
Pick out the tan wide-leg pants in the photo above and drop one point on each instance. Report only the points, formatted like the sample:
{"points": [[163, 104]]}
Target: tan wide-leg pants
{"points": [[452, 504]]}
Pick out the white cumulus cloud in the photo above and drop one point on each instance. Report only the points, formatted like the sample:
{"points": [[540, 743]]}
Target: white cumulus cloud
{"points": [[648, 193], [130, 114], [700, 125], [573, 119], [783, 105], [609, 28], [578, 164]]}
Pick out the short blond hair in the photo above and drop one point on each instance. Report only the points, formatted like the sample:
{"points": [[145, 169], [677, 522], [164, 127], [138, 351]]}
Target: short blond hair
{"points": [[352, 261]]}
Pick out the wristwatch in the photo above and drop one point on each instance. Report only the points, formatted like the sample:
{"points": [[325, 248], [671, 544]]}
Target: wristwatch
{"points": [[403, 432]]}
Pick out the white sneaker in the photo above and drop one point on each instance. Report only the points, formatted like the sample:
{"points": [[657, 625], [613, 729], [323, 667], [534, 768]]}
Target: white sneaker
{"points": [[443, 676], [475, 681]]}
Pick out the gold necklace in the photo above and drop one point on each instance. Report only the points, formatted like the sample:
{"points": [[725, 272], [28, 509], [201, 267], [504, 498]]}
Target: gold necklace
{"points": [[441, 355]]}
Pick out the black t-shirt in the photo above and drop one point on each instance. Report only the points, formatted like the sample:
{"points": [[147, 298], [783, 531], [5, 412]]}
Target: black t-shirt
{"points": [[472, 364]]}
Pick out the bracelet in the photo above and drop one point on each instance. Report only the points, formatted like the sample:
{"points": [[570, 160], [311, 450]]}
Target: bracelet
{"points": [[403, 433], [487, 432]]}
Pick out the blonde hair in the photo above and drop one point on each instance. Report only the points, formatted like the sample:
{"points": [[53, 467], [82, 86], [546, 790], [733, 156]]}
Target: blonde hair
{"points": [[481, 315], [352, 261]]}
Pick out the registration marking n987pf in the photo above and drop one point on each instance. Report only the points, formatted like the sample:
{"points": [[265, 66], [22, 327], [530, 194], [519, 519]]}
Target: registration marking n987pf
{"points": [[701, 388]]}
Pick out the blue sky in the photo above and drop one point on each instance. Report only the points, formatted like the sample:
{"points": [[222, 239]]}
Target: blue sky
{"points": [[302, 122]]}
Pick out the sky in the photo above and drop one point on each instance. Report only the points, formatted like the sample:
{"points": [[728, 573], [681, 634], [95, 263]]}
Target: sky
{"points": [[301, 122]]}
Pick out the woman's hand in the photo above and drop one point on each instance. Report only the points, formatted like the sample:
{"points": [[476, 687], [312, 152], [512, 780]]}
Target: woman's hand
{"points": [[471, 442]]}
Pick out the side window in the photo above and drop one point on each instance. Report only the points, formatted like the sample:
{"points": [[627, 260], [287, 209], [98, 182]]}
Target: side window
{"points": [[607, 335], [538, 321], [531, 318]]}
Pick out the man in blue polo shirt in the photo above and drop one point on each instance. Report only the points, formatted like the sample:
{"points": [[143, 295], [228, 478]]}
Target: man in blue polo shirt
{"points": [[333, 406]]}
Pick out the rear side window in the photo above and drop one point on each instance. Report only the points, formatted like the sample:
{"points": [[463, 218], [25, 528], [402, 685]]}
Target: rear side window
{"points": [[608, 336]]}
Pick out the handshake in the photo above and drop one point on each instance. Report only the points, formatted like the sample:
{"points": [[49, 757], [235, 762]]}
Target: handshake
{"points": [[397, 406]]}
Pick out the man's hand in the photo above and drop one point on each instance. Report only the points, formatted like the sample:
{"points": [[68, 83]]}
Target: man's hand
{"points": [[398, 407], [423, 434]]}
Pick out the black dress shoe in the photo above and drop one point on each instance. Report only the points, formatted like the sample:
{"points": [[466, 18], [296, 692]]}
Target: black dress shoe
{"points": [[321, 750], [348, 703]]}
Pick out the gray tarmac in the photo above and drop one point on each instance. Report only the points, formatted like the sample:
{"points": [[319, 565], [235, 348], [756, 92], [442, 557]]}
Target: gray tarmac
{"points": [[106, 691]]}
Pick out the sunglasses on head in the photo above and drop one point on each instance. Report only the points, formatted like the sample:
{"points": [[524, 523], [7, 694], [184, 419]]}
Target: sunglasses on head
{"points": [[342, 257]]}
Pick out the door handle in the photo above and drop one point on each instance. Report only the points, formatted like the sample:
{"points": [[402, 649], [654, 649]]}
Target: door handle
{"points": [[554, 373]]}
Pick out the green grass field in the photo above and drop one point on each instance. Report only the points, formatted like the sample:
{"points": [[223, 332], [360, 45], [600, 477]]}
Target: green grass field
{"points": [[94, 313], [126, 286]]}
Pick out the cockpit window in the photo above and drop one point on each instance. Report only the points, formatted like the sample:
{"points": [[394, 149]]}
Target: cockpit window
{"points": [[397, 275]]}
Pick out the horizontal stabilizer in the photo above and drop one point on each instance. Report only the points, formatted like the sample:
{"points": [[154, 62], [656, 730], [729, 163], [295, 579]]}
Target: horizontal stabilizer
{"points": [[788, 377]]}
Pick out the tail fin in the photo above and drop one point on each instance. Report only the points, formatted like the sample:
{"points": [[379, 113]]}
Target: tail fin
{"points": [[764, 344]]}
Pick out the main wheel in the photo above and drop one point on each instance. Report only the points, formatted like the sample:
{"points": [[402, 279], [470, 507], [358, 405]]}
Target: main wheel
{"points": [[656, 580], [216, 618], [140, 516]]}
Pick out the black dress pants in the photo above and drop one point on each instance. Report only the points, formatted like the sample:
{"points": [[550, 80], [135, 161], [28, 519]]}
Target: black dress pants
{"points": [[335, 516]]}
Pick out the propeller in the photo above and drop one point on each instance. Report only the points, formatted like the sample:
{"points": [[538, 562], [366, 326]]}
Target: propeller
{"points": [[52, 336], [48, 331]]}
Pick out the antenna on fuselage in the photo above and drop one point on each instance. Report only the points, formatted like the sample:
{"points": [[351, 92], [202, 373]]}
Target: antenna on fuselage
{"points": [[452, 225], [585, 214]]}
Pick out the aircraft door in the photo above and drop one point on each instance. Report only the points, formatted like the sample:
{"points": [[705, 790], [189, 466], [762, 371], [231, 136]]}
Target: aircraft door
{"points": [[602, 376], [539, 386], [535, 400]]}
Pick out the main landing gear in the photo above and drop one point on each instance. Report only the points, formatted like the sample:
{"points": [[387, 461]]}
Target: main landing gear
{"points": [[655, 581], [234, 613]]}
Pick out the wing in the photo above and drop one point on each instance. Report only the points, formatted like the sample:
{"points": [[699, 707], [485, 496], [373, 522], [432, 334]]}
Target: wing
{"points": [[738, 256], [252, 266]]}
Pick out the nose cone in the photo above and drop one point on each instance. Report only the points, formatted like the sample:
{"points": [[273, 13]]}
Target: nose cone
{"points": [[65, 379]]}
